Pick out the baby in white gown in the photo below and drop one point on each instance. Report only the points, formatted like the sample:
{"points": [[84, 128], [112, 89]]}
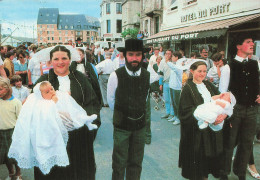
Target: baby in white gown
{"points": [[207, 113], [41, 133]]}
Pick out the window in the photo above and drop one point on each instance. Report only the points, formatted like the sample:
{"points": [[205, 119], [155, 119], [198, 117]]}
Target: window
{"points": [[118, 26], [47, 14], [71, 32], [60, 38], [53, 20], [52, 32], [48, 38], [71, 27], [47, 26], [108, 8], [66, 27], [118, 8], [48, 32], [52, 38], [157, 21], [79, 26], [60, 32], [108, 26], [78, 33], [59, 26], [174, 5], [87, 33], [188, 2], [85, 26]]}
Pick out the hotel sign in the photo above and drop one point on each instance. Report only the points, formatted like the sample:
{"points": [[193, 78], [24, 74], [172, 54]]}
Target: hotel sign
{"points": [[173, 38], [219, 9]]}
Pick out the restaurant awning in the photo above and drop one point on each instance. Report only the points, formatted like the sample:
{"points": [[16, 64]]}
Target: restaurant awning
{"points": [[210, 29]]}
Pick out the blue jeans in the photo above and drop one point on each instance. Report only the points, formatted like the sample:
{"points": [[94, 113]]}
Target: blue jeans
{"points": [[167, 99]]}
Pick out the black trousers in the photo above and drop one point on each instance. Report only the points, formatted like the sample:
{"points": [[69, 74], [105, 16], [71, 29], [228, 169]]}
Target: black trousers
{"points": [[240, 133]]}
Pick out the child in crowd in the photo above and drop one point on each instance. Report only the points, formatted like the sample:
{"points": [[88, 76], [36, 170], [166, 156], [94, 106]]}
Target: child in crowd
{"points": [[9, 110], [19, 91], [207, 113], [41, 133]]}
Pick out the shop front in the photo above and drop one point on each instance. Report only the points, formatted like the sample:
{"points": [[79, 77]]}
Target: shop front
{"points": [[216, 35]]}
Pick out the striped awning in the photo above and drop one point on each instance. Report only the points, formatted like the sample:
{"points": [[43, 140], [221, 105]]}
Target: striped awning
{"points": [[210, 29]]}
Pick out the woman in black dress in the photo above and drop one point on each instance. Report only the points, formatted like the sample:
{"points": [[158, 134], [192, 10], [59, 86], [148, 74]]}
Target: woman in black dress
{"points": [[199, 149]]}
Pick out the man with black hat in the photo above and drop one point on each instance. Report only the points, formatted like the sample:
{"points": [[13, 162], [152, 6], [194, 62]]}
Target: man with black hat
{"points": [[240, 128], [78, 43], [128, 89]]}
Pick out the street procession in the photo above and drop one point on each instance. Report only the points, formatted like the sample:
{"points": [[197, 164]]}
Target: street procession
{"points": [[129, 90]]}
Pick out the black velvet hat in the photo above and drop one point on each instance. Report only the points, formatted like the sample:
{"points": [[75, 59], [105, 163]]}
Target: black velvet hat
{"points": [[78, 39], [133, 45]]}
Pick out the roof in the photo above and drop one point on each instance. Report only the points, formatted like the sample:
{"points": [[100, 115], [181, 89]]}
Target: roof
{"points": [[67, 21], [48, 16], [216, 25]]}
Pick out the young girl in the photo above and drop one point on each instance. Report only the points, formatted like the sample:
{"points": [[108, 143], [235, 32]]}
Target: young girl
{"points": [[53, 115], [9, 111], [19, 91]]}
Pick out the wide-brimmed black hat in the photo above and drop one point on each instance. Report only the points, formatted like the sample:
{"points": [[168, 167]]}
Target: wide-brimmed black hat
{"points": [[133, 45], [78, 39]]}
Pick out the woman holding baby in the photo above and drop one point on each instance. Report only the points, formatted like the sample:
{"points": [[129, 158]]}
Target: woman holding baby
{"points": [[80, 144], [199, 148]]}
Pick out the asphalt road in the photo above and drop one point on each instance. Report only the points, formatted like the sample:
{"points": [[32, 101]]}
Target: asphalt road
{"points": [[160, 159]]}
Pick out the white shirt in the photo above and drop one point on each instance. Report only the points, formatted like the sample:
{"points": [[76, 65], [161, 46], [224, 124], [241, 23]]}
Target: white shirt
{"points": [[64, 82], [224, 85], [106, 66], [1, 61], [81, 68], [117, 61], [20, 93], [204, 92], [165, 69], [224, 78], [152, 60], [113, 83]]}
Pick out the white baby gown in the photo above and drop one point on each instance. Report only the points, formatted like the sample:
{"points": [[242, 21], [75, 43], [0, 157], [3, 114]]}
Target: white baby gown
{"points": [[41, 132], [210, 111]]}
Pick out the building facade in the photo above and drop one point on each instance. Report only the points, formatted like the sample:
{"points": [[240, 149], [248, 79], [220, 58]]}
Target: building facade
{"points": [[111, 20], [188, 24], [130, 15], [56, 28], [151, 16]]}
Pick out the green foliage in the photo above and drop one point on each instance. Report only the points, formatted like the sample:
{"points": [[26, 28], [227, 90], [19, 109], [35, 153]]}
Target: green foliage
{"points": [[132, 32]]}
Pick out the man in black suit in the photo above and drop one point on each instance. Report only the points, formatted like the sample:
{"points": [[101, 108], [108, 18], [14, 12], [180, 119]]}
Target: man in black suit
{"points": [[99, 57], [241, 127], [78, 43]]}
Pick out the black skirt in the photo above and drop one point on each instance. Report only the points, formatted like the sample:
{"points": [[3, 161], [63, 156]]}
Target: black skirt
{"points": [[81, 157]]}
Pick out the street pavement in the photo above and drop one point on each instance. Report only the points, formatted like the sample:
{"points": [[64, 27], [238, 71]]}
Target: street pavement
{"points": [[161, 156]]}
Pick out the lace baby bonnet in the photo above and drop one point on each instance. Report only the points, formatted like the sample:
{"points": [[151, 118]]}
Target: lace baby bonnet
{"points": [[39, 137]]}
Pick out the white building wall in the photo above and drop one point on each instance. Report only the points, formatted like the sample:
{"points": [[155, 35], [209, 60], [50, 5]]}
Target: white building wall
{"points": [[204, 11], [113, 17]]}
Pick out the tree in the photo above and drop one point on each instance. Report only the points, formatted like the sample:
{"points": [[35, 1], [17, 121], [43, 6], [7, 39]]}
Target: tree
{"points": [[130, 31]]}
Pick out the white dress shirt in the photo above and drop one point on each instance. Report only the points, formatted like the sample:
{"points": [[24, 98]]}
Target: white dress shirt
{"points": [[113, 83], [106, 66]]}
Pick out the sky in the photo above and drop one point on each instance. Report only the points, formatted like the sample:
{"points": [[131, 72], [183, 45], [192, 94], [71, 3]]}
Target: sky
{"points": [[20, 16]]}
